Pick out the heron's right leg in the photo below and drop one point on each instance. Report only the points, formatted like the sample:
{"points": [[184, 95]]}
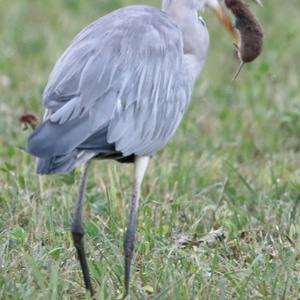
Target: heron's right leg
{"points": [[78, 231], [141, 164]]}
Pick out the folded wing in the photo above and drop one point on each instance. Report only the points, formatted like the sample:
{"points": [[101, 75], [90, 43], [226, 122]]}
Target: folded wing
{"points": [[124, 75]]}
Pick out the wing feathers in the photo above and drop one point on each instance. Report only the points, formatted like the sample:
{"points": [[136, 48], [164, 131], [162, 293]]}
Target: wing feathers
{"points": [[126, 73]]}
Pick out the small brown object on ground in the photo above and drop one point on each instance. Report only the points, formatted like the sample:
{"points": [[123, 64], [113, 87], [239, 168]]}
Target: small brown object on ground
{"points": [[28, 119], [251, 33]]}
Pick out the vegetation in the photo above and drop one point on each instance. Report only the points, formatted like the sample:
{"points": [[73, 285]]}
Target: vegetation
{"points": [[234, 163]]}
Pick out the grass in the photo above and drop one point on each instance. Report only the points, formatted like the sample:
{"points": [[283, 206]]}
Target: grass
{"points": [[234, 162]]}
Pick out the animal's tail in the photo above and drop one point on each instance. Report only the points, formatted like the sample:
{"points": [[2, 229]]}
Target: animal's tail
{"points": [[55, 145], [57, 164], [60, 144], [59, 149]]}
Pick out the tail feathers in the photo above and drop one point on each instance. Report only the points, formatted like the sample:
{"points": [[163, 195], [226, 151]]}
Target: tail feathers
{"points": [[65, 163], [57, 164], [52, 139]]}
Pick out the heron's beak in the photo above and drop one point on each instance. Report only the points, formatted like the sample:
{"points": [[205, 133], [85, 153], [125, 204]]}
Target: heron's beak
{"points": [[219, 11]]}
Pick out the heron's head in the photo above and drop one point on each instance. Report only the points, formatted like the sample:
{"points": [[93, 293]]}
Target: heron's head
{"points": [[214, 5]]}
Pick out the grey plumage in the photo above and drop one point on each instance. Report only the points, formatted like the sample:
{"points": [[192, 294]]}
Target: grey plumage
{"points": [[124, 74], [119, 92]]}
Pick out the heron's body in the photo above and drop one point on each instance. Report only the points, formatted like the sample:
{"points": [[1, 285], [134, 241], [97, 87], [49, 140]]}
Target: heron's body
{"points": [[120, 89]]}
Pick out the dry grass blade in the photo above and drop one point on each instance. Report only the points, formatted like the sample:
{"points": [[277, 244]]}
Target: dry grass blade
{"points": [[210, 239]]}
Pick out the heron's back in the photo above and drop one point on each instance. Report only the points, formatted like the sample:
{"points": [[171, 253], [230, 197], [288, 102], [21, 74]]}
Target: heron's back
{"points": [[119, 90]]}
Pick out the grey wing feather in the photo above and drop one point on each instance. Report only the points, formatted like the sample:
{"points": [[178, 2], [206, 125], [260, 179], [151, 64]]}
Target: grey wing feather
{"points": [[125, 72]]}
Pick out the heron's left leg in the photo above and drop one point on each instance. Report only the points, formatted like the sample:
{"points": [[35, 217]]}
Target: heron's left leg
{"points": [[141, 163], [78, 231]]}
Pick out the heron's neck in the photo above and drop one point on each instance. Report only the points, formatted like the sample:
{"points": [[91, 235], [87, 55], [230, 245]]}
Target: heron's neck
{"points": [[194, 34], [181, 11], [193, 4]]}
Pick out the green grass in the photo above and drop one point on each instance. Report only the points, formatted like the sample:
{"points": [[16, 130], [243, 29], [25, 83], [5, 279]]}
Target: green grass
{"points": [[234, 162]]}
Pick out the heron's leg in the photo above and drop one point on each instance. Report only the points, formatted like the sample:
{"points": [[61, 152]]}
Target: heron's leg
{"points": [[78, 231], [141, 163]]}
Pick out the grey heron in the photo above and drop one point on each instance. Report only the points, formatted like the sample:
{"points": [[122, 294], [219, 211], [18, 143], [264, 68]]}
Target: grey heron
{"points": [[119, 92]]}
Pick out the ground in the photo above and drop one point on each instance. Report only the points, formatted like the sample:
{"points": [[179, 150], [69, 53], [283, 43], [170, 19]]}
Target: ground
{"points": [[234, 163]]}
